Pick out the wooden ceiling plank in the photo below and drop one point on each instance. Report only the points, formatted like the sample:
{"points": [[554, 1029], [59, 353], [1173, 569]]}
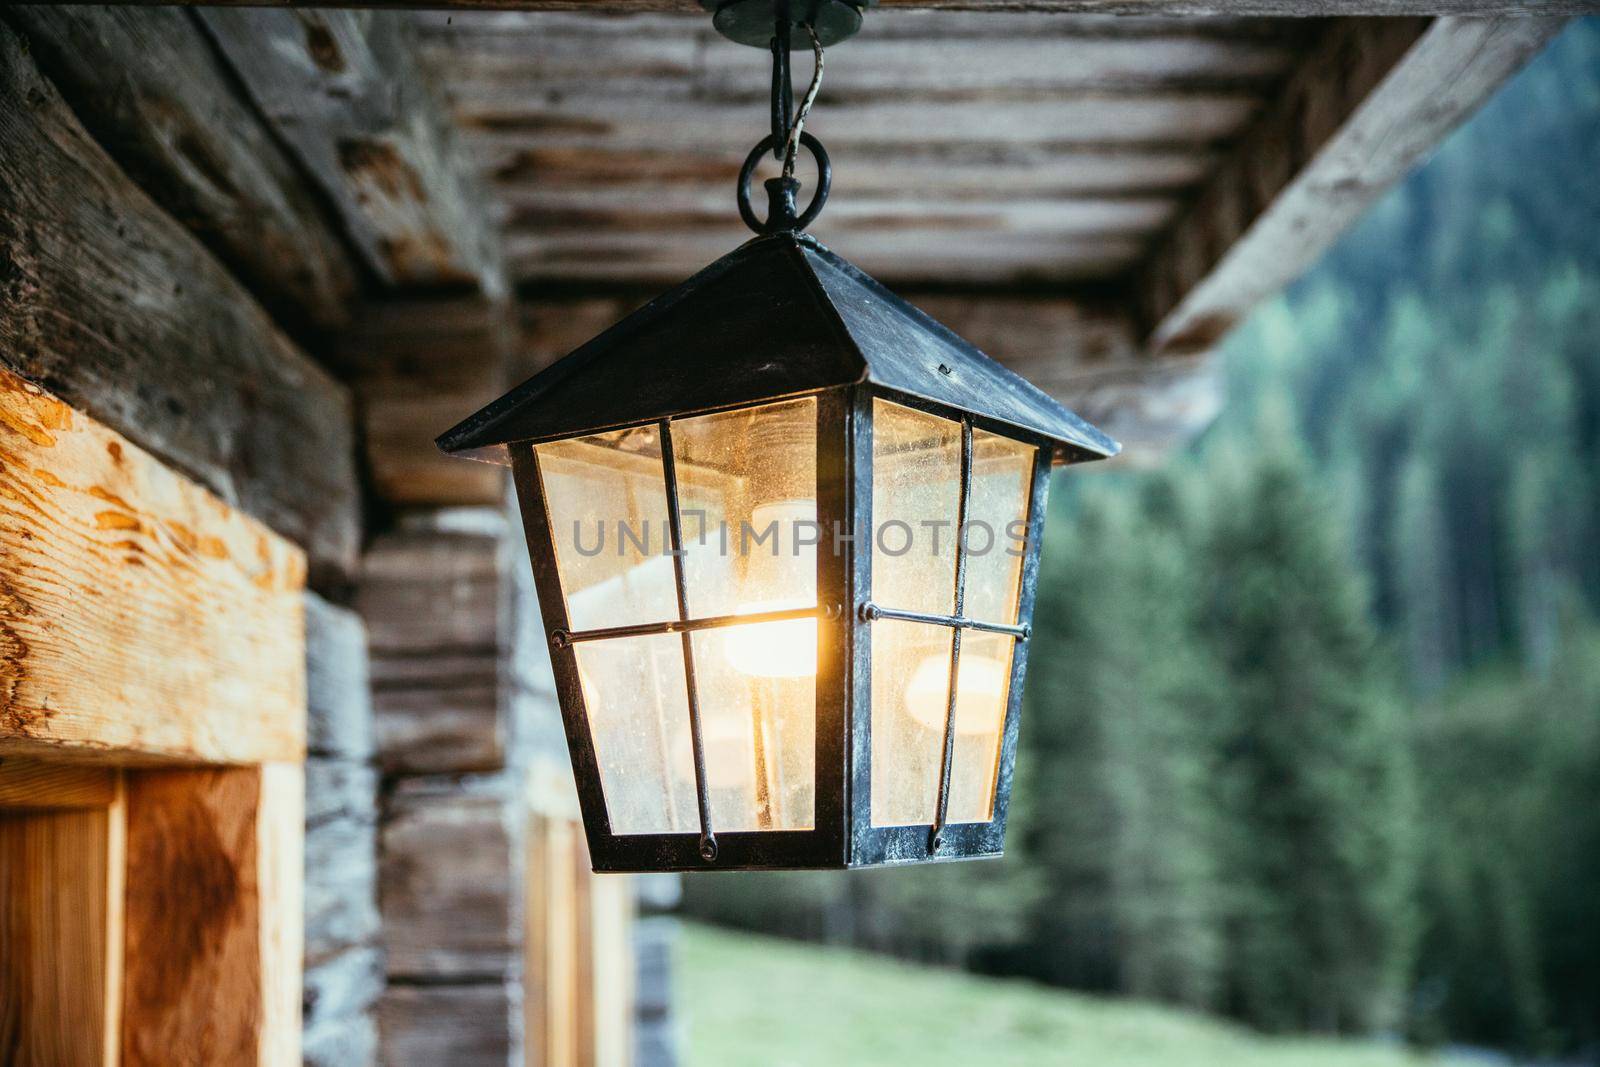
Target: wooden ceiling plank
{"points": [[345, 91], [952, 171], [898, 258], [541, 211], [477, 69], [1374, 98], [1065, 119], [151, 89]]}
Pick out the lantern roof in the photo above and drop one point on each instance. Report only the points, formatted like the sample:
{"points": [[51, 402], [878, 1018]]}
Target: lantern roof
{"points": [[779, 316]]}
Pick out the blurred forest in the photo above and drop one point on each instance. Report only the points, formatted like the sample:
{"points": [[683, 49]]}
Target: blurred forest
{"points": [[1312, 734]]}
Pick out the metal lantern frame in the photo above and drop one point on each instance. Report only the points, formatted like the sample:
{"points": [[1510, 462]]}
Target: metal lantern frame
{"points": [[782, 318]]}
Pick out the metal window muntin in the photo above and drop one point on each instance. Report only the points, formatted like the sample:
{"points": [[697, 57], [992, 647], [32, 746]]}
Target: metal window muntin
{"points": [[870, 845], [842, 834]]}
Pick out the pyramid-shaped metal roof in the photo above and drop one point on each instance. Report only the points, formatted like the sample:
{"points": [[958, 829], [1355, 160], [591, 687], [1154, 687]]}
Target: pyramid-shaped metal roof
{"points": [[778, 316]]}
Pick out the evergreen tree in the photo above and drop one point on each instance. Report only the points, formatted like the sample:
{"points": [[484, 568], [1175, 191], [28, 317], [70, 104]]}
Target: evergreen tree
{"points": [[1121, 755], [1316, 761]]}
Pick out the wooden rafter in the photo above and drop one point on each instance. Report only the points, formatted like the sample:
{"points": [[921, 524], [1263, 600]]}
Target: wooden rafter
{"points": [[150, 87], [344, 91], [1365, 107]]}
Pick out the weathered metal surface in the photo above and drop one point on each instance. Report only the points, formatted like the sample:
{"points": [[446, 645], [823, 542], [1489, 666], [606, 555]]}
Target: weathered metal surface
{"points": [[842, 834], [776, 317]]}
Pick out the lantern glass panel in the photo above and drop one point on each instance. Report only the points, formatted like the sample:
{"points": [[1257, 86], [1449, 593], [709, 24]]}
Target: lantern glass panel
{"points": [[983, 682], [758, 721], [916, 487], [747, 493], [910, 697], [607, 502], [638, 711], [997, 517]]}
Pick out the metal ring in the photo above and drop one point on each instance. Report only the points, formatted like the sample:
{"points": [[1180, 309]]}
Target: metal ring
{"points": [[818, 198]]}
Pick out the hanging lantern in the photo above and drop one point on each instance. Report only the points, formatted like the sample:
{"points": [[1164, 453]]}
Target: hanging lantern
{"points": [[785, 531]]}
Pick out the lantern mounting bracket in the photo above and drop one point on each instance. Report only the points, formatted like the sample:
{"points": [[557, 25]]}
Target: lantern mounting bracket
{"points": [[751, 22]]}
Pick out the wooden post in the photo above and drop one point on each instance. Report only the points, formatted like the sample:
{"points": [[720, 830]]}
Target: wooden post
{"points": [[62, 839], [143, 621], [212, 973]]}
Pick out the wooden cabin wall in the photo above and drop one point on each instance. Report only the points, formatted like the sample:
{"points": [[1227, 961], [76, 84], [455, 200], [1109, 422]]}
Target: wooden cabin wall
{"points": [[182, 261]]}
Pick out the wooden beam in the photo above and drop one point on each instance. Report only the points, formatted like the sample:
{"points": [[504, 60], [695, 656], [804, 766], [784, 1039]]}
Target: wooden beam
{"points": [[120, 312], [213, 917], [151, 88], [435, 601], [32, 784], [140, 617], [419, 366], [345, 92], [1086, 353], [1367, 105], [1284, 8]]}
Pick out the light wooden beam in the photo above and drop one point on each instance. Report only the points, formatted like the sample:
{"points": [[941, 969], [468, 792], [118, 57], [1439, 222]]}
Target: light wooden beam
{"points": [[1285, 8], [1371, 101], [345, 91], [151, 88], [120, 312], [213, 914], [140, 617]]}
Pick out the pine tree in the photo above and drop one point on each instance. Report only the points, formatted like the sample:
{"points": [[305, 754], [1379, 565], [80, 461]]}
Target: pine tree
{"points": [[1317, 765]]}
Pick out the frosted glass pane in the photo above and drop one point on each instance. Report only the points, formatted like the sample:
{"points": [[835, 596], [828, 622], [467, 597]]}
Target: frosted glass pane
{"points": [[607, 500], [916, 487], [910, 694], [747, 492], [1002, 476], [638, 710], [757, 687], [983, 682]]}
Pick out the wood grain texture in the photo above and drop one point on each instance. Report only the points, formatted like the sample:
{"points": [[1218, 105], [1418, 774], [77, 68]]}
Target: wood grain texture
{"points": [[419, 366], [114, 307], [213, 917], [33, 784], [344, 91], [140, 617], [436, 608], [151, 89], [341, 884], [578, 968], [338, 682], [450, 884], [60, 873], [994, 150], [1364, 108], [459, 1025]]}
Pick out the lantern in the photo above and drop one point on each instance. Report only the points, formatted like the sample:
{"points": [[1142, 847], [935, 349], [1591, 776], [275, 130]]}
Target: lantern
{"points": [[785, 530]]}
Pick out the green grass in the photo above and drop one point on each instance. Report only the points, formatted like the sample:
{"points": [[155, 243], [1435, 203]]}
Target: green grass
{"points": [[762, 1002]]}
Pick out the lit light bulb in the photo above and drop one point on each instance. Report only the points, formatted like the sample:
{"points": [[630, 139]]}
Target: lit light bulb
{"points": [[774, 572], [979, 692], [786, 649]]}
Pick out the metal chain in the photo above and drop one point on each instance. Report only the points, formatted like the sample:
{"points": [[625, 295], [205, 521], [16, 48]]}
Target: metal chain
{"points": [[792, 145]]}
